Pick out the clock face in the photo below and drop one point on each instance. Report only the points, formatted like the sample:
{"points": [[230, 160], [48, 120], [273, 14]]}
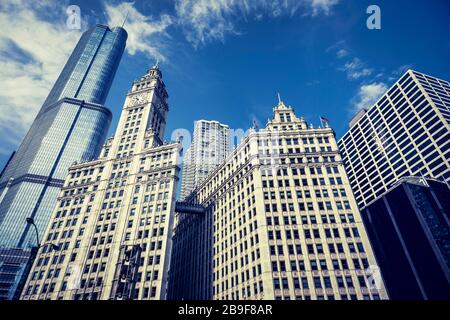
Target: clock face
{"points": [[137, 99]]}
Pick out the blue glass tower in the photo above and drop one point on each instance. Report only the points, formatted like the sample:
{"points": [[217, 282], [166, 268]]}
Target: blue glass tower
{"points": [[70, 126]]}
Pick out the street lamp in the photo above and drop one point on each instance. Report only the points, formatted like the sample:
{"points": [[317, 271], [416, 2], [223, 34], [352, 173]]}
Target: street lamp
{"points": [[30, 259], [30, 220]]}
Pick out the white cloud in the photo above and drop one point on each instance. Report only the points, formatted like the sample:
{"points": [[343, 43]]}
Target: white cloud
{"points": [[34, 46], [207, 20], [370, 91], [35, 43], [336, 46], [341, 53], [368, 94], [324, 6], [356, 69], [32, 53], [145, 34]]}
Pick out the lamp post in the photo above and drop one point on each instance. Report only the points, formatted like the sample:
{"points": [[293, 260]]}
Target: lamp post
{"points": [[31, 257], [31, 221], [55, 247]]}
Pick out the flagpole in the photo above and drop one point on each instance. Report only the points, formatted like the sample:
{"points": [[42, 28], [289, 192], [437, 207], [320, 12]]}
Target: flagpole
{"points": [[445, 181], [321, 122], [424, 179]]}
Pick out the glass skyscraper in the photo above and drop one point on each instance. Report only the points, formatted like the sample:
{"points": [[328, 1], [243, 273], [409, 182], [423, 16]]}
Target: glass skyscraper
{"points": [[127, 215], [410, 234], [406, 133], [71, 126]]}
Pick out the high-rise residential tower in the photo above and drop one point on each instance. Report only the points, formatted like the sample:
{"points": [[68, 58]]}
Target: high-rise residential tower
{"points": [[276, 220], [210, 146], [70, 126], [114, 217], [406, 133]]}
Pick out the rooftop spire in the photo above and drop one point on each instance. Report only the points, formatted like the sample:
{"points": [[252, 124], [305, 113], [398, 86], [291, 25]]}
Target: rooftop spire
{"points": [[280, 102], [125, 19], [154, 70], [156, 66]]}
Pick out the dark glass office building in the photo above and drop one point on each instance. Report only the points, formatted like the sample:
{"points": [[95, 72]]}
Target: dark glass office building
{"points": [[71, 126], [409, 229]]}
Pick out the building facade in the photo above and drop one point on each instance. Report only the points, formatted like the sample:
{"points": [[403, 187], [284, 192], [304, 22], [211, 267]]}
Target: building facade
{"points": [[406, 133], [70, 126], [113, 222], [210, 146], [276, 220], [409, 229]]}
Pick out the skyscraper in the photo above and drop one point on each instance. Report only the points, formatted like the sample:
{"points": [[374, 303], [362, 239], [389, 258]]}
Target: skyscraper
{"points": [[406, 133], [410, 234], [210, 146], [114, 217], [276, 220], [70, 126]]}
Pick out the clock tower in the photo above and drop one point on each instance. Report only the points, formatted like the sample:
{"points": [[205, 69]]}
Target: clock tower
{"points": [[127, 204], [143, 119]]}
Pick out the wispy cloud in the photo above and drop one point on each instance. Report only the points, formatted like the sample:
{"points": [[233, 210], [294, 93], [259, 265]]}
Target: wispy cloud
{"points": [[319, 6], [369, 91], [373, 82], [356, 69], [341, 53], [33, 51], [336, 47], [353, 67], [206, 20], [367, 95], [146, 34], [35, 44]]}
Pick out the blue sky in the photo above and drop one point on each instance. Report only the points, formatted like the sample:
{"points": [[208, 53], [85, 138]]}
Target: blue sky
{"points": [[227, 59]]}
